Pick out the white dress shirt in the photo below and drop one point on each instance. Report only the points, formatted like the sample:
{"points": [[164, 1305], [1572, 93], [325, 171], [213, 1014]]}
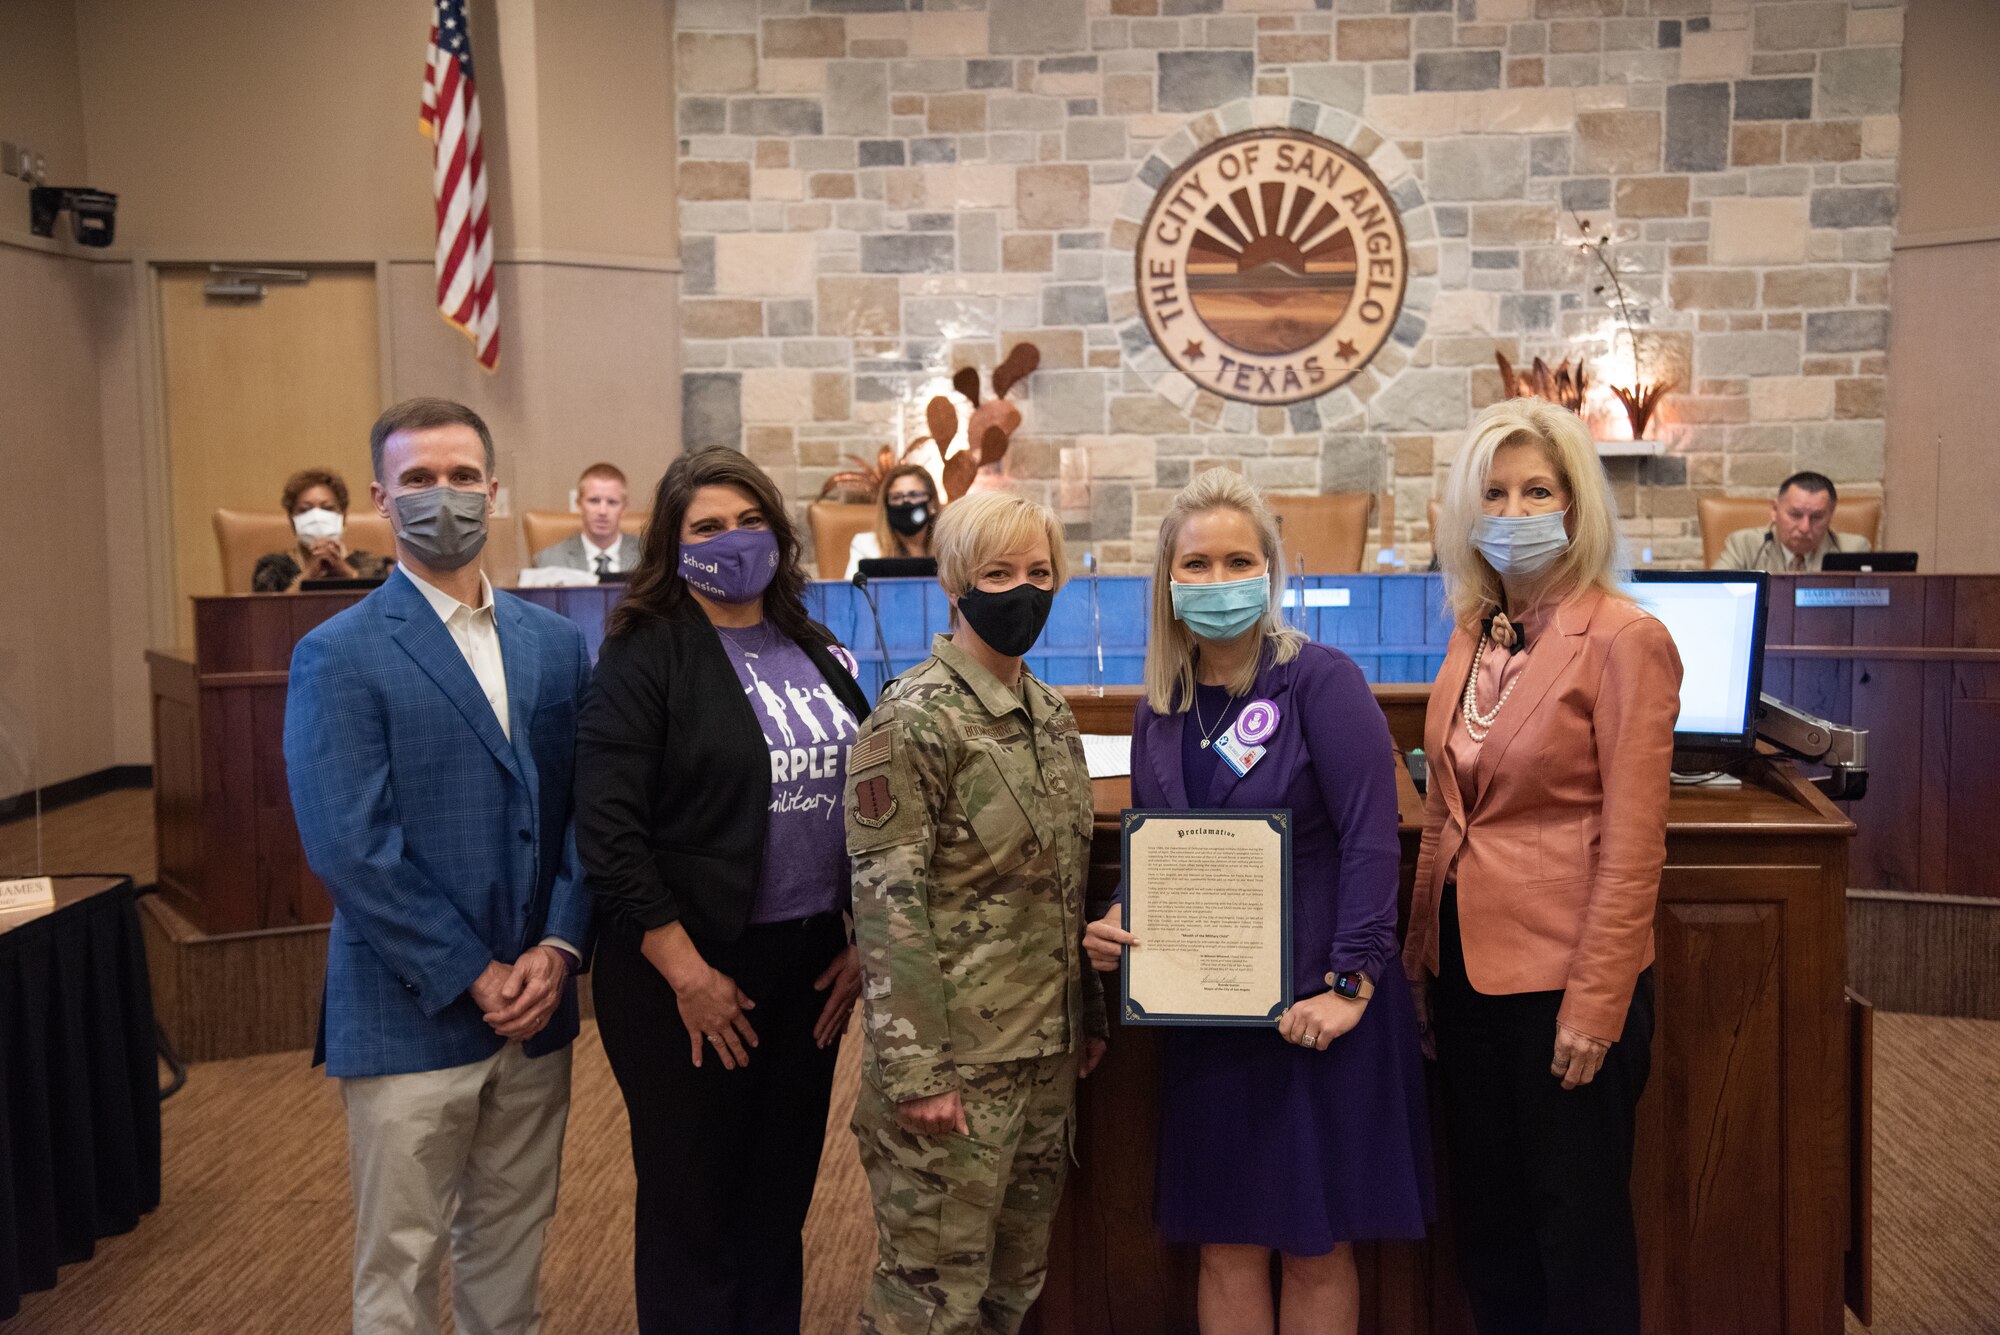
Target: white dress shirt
{"points": [[477, 635], [591, 551]]}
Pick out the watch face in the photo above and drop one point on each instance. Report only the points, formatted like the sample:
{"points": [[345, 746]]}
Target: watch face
{"points": [[1347, 984]]}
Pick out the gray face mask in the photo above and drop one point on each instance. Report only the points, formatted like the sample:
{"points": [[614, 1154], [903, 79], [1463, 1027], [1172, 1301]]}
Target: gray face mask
{"points": [[443, 527]]}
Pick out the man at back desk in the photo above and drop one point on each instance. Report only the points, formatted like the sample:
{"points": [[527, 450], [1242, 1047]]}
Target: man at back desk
{"points": [[1800, 533], [602, 548]]}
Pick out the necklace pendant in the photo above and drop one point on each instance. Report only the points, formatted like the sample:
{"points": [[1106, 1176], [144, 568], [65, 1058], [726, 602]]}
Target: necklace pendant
{"points": [[1204, 743]]}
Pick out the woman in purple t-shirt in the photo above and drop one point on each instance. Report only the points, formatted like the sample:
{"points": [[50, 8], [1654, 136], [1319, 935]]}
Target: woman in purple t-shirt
{"points": [[711, 754]]}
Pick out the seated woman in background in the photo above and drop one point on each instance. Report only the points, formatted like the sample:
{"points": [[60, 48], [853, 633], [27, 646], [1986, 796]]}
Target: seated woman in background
{"points": [[316, 501], [1307, 1137], [1530, 947], [903, 520]]}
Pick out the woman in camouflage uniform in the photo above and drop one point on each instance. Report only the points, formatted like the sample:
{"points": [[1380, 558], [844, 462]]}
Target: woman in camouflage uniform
{"points": [[968, 824]]}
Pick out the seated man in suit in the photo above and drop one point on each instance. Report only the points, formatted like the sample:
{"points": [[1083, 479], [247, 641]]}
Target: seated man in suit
{"points": [[428, 740], [601, 548], [1800, 533]]}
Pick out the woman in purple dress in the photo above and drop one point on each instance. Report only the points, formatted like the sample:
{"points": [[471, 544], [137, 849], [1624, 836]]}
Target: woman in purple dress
{"points": [[1308, 1137]]}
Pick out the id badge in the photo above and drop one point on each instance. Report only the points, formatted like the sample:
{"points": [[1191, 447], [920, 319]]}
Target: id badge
{"points": [[1236, 754]]}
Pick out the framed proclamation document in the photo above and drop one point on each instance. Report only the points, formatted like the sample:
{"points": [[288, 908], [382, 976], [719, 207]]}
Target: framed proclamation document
{"points": [[1209, 895]]}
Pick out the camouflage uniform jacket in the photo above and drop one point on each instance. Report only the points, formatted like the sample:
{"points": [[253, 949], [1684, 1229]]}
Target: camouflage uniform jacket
{"points": [[968, 824]]}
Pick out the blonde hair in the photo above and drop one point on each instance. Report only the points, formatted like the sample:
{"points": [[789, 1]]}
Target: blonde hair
{"points": [[888, 542], [974, 529], [1595, 557], [1170, 648]]}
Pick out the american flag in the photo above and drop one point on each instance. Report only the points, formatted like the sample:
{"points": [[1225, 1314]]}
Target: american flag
{"points": [[450, 117]]}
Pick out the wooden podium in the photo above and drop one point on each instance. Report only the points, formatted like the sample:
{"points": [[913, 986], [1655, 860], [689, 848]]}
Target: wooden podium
{"points": [[1752, 1214]]}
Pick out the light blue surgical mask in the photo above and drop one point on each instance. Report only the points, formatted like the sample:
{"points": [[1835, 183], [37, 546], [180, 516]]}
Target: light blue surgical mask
{"points": [[1223, 610], [1521, 544]]}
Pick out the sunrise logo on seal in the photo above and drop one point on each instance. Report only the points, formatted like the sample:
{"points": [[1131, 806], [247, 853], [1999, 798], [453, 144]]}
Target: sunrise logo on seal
{"points": [[1272, 266]]}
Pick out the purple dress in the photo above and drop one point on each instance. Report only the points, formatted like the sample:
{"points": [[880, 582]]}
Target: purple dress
{"points": [[1264, 1142]]}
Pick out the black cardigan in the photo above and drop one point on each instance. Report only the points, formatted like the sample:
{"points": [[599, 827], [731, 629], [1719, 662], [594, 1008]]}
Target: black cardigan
{"points": [[673, 778]]}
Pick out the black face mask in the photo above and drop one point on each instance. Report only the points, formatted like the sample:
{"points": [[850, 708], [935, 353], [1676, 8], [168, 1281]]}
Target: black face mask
{"points": [[909, 517], [1010, 621]]}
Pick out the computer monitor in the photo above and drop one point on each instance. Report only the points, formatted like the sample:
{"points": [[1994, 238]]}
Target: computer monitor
{"points": [[1717, 620], [1870, 563]]}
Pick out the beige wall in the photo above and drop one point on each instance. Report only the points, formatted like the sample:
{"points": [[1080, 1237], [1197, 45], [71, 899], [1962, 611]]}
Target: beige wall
{"points": [[41, 104], [1944, 386], [55, 633], [237, 130], [1951, 121], [242, 129], [606, 105]]}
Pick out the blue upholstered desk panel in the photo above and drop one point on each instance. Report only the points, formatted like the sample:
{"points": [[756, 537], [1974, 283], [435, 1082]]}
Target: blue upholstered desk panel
{"points": [[1393, 626]]}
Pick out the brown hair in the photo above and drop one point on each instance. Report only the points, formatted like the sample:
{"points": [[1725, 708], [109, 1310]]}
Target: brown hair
{"points": [[888, 542], [421, 415], [608, 472], [656, 588], [303, 481]]}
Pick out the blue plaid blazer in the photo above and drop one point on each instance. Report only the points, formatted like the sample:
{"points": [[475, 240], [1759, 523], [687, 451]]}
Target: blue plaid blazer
{"points": [[444, 845]]}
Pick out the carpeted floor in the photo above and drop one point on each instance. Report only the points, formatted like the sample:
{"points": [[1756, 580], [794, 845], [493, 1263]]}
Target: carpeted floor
{"points": [[254, 1232]]}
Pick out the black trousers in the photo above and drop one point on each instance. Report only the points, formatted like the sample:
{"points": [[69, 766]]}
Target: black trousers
{"points": [[725, 1159], [1541, 1176]]}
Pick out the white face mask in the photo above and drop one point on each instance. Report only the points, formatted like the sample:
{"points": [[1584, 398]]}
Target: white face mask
{"points": [[1521, 544], [315, 524]]}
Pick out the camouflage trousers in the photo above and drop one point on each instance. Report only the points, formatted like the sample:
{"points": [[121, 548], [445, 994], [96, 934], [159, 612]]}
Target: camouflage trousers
{"points": [[962, 1222]]}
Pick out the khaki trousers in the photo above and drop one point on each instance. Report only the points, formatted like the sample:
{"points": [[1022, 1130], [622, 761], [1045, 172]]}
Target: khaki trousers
{"points": [[472, 1151]]}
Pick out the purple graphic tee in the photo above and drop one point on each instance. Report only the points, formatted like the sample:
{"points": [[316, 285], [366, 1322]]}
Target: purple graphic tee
{"points": [[808, 731]]}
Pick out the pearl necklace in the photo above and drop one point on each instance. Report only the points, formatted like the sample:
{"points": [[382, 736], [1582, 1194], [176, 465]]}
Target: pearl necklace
{"points": [[1477, 725]]}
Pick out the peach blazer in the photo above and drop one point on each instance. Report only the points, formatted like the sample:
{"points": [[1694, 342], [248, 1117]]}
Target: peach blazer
{"points": [[1559, 858]]}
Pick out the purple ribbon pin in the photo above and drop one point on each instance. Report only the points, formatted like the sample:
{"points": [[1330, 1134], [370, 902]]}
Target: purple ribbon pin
{"points": [[1257, 722]]}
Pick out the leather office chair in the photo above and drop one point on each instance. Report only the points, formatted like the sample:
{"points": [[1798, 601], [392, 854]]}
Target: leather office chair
{"points": [[833, 525], [244, 536], [1330, 531], [1721, 516], [543, 529]]}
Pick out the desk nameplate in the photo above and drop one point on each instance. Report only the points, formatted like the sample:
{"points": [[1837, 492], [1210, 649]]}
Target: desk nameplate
{"points": [[1840, 597]]}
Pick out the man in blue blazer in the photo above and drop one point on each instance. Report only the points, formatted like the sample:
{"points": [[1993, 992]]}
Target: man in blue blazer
{"points": [[429, 741]]}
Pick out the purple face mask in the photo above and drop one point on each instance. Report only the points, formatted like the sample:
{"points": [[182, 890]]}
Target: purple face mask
{"points": [[732, 567]]}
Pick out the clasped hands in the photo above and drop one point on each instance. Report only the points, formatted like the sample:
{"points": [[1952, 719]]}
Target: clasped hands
{"points": [[327, 559], [517, 999]]}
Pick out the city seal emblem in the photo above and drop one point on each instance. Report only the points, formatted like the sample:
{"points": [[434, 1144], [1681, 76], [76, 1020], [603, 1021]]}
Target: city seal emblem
{"points": [[1272, 266]]}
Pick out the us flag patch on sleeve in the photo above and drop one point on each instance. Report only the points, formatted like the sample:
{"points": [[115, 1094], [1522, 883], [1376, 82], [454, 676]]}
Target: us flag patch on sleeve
{"points": [[870, 752]]}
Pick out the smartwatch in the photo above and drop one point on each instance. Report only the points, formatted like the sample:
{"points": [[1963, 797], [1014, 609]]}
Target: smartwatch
{"points": [[1347, 984]]}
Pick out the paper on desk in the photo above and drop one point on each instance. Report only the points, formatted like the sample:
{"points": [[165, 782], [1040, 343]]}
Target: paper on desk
{"points": [[1106, 756]]}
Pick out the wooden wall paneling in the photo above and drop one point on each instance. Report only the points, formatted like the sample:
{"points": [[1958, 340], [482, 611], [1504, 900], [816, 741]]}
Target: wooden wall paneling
{"points": [[1778, 613], [1718, 968], [177, 818], [1931, 954], [1902, 621], [1976, 612], [1859, 1286], [1816, 625], [1972, 849], [1887, 698], [1934, 776], [1822, 686], [228, 885]]}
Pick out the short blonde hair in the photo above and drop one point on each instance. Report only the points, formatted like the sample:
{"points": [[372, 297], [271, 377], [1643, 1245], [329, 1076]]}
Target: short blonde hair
{"points": [[1595, 556], [1170, 648], [974, 529]]}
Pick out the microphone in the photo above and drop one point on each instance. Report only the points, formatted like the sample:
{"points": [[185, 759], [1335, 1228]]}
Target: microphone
{"points": [[860, 581], [1096, 625]]}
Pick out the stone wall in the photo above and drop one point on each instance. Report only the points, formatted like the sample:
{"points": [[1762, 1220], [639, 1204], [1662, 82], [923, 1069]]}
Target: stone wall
{"points": [[874, 196]]}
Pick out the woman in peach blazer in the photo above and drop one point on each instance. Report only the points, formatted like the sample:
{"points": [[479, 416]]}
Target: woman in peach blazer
{"points": [[1550, 737]]}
